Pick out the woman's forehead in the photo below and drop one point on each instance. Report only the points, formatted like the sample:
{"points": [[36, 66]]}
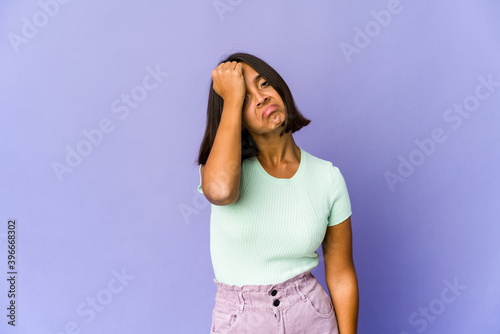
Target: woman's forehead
{"points": [[249, 73], [247, 68]]}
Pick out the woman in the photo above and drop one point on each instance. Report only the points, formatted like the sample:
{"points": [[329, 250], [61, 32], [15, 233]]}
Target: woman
{"points": [[273, 204]]}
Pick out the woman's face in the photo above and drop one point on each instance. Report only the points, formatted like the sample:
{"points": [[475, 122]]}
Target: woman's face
{"points": [[263, 108]]}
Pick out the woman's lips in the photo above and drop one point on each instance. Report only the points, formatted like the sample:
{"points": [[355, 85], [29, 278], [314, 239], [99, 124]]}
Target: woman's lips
{"points": [[269, 110]]}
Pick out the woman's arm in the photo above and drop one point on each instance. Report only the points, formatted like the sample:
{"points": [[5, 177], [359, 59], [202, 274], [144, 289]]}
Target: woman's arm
{"points": [[221, 173], [341, 276]]}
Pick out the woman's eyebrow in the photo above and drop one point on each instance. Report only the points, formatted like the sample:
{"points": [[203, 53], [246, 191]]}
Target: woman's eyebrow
{"points": [[257, 78]]}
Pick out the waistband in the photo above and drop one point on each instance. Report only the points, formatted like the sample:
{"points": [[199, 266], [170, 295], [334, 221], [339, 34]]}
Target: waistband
{"points": [[266, 297]]}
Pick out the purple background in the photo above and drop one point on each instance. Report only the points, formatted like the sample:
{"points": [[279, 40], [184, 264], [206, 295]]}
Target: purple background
{"points": [[130, 205]]}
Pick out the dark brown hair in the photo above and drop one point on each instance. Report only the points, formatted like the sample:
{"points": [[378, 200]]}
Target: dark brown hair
{"points": [[294, 120]]}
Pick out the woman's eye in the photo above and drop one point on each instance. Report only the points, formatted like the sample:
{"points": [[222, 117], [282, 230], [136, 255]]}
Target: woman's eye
{"points": [[264, 83]]}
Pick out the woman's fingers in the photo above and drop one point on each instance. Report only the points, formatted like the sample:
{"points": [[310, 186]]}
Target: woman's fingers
{"points": [[228, 81]]}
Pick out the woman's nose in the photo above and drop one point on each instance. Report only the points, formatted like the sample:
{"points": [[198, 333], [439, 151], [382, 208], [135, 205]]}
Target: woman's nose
{"points": [[261, 99]]}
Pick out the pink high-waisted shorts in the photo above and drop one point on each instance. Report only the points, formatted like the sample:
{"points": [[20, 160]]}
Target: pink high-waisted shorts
{"points": [[298, 305]]}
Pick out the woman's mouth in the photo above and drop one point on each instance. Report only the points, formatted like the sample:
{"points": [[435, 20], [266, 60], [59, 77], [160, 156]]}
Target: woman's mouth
{"points": [[269, 109]]}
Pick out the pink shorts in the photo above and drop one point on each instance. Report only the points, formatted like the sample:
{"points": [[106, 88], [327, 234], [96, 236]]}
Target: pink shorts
{"points": [[299, 305]]}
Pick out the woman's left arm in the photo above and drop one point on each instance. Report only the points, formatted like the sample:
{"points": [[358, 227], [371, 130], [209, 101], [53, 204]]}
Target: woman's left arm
{"points": [[341, 276]]}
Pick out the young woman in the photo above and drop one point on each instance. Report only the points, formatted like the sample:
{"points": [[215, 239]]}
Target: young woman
{"points": [[273, 205]]}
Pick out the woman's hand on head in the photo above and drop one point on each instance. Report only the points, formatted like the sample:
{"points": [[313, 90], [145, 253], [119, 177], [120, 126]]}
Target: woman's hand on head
{"points": [[228, 81]]}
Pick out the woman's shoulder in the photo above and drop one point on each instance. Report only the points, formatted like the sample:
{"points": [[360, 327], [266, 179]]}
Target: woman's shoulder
{"points": [[317, 162], [323, 166]]}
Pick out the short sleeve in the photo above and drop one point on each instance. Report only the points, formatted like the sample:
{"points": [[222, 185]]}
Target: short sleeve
{"points": [[341, 204], [199, 187]]}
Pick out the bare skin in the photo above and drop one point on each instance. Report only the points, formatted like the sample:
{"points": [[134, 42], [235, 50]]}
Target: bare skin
{"points": [[280, 156], [340, 275], [246, 96], [222, 170]]}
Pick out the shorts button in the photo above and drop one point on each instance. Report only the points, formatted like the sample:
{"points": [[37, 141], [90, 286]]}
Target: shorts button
{"points": [[276, 302], [274, 292]]}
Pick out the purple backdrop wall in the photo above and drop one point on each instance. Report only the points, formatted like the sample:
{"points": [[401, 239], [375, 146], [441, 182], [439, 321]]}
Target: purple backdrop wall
{"points": [[103, 110]]}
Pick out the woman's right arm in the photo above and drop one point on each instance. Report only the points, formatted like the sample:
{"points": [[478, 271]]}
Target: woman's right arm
{"points": [[221, 173]]}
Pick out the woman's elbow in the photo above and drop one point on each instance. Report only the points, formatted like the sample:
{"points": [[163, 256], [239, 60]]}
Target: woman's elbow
{"points": [[220, 196]]}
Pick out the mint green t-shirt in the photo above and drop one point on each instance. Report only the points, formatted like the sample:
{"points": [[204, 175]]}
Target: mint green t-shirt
{"points": [[272, 231]]}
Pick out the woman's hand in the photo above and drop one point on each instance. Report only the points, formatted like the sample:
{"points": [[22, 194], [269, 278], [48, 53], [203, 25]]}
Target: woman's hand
{"points": [[228, 81]]}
